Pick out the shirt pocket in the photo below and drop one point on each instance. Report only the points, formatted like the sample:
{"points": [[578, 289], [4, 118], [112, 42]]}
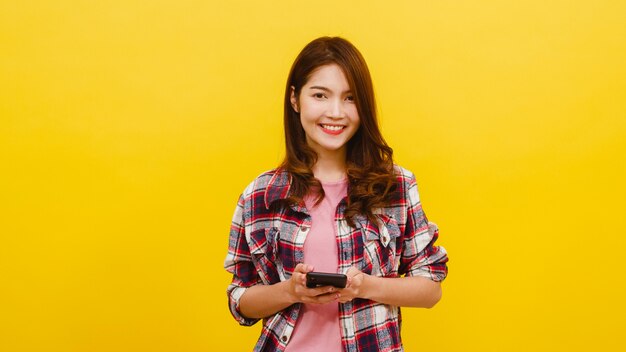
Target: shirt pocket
{"points": [[379, 254], [263, 251]]}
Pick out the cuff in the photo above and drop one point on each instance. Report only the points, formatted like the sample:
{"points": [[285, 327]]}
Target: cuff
{"points": [[234, 295]]}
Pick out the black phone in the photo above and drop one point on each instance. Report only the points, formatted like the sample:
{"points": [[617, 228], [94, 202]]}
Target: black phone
{"points": [[317, 279]]}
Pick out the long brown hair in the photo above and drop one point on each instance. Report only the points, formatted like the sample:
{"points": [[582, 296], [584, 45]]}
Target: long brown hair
{"points": [[371, 179]]}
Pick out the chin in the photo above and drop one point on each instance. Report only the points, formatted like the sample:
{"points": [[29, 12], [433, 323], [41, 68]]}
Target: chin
{"points": [[332, 147]]}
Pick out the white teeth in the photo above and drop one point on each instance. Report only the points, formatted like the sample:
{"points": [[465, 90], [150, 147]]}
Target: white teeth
{"points": [[332, 128]]}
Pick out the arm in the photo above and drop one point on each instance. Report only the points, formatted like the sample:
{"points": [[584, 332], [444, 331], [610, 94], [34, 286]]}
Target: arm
{"points": [[398, 291], [261, 301], [402, 291], [423, 263], [249, 298]]}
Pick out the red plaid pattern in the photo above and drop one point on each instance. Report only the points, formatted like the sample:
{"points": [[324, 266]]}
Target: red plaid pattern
{"points": [[265, 246]]}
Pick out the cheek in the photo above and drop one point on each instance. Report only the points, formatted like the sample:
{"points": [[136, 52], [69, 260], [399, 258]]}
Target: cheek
{"points": [[308, 121], [354, 113], [356, 120], [307, 118], [306, 110]]}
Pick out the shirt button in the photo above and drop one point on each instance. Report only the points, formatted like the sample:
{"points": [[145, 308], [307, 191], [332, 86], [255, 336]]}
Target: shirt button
{"points": [[284, 338], [304, 228]]}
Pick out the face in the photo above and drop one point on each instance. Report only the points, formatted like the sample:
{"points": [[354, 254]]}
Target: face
{"points": [[327, 110]]}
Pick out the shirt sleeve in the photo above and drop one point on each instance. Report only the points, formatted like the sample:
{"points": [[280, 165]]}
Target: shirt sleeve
{"points": [[239, 263], [420, 256]]}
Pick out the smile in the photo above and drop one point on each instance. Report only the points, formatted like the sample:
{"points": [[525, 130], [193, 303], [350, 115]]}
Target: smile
{"points": [[332, 129]]}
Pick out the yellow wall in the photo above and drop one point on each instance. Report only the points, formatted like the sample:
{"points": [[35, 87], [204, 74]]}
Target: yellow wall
{"points": [[129, 128]]}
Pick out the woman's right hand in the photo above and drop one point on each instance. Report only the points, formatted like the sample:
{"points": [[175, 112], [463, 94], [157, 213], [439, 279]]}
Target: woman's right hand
{"points": [[262, 301], [302, 294]]}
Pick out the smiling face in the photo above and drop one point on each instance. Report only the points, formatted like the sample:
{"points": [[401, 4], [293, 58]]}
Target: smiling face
{"points": [[327, 110]]}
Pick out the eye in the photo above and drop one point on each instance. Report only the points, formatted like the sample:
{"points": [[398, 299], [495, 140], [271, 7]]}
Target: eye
{"points": [[350, 98], [319, 95]]}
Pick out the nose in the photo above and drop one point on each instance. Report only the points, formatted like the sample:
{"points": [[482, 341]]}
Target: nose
{"points": [[337, 109]]}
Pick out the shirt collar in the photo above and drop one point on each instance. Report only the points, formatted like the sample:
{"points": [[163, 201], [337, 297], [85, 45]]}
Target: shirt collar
{"points": [[278, 187]]}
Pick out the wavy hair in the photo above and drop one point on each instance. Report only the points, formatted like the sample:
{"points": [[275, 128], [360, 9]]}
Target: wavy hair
{"points": [[369, 160]]}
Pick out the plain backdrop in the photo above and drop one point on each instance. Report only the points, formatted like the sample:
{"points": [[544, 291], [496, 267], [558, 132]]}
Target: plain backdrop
{"points": [[129, 128]]}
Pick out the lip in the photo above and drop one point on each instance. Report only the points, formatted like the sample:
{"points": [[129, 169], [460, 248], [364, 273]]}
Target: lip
{"points": [[331, 132]]}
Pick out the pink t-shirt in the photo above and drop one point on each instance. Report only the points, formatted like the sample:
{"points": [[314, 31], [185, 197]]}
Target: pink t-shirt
{"points": [[317, 328]]}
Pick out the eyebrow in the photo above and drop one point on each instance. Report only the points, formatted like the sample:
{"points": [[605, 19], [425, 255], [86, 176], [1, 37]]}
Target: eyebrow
{"points": [[327, 90]]}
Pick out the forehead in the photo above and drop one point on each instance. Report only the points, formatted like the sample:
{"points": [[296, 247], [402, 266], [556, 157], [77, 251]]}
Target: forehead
{"points": [[330, 76]]}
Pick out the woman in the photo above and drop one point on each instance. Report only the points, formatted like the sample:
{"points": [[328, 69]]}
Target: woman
{"points": [[336, 204]]}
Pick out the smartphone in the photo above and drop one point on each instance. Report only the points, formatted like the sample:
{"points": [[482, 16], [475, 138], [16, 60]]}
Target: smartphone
{"points": [[317, 279]]}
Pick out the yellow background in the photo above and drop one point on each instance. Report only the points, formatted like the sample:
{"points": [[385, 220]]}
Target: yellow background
{"points": [[129, 128]]}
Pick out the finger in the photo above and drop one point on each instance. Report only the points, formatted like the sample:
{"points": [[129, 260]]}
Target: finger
{"points": [[314, 291], [352, 271], [298, 278], [318, 291], [325, 298], [349, 281], [324, 290], [300, 268], [300, 272], [343, 299], [345, 296]]}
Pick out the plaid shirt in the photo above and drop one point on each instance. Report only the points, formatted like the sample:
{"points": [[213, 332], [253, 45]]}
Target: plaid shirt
{"points": [[265, 246]]}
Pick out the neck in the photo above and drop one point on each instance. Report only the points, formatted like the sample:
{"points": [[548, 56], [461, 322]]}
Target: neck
{"points": [[330, 166]]}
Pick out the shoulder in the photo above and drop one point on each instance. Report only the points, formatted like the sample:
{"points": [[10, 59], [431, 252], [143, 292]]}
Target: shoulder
{"points": [[409, 190], [261, 182], [405, 177], [268, 187], [407, 185]]}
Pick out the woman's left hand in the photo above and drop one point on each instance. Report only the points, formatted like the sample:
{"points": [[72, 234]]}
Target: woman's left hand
{"points": [[354, 286]]}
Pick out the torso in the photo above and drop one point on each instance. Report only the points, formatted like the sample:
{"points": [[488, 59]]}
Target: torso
{"points": [[318, 328]]}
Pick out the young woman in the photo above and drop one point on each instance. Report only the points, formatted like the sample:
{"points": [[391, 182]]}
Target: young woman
{"points": [[336, 204]]}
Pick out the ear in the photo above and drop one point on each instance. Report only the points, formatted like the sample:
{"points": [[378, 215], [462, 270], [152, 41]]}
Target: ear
{"points": [[293, 99]]}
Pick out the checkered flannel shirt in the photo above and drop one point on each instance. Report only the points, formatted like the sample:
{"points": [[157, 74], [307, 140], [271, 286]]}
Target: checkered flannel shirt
{"points": [[265, 246]]}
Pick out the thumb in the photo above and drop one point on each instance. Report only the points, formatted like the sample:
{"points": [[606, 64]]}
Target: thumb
{"points": [[303, 268], [352, 271]]}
